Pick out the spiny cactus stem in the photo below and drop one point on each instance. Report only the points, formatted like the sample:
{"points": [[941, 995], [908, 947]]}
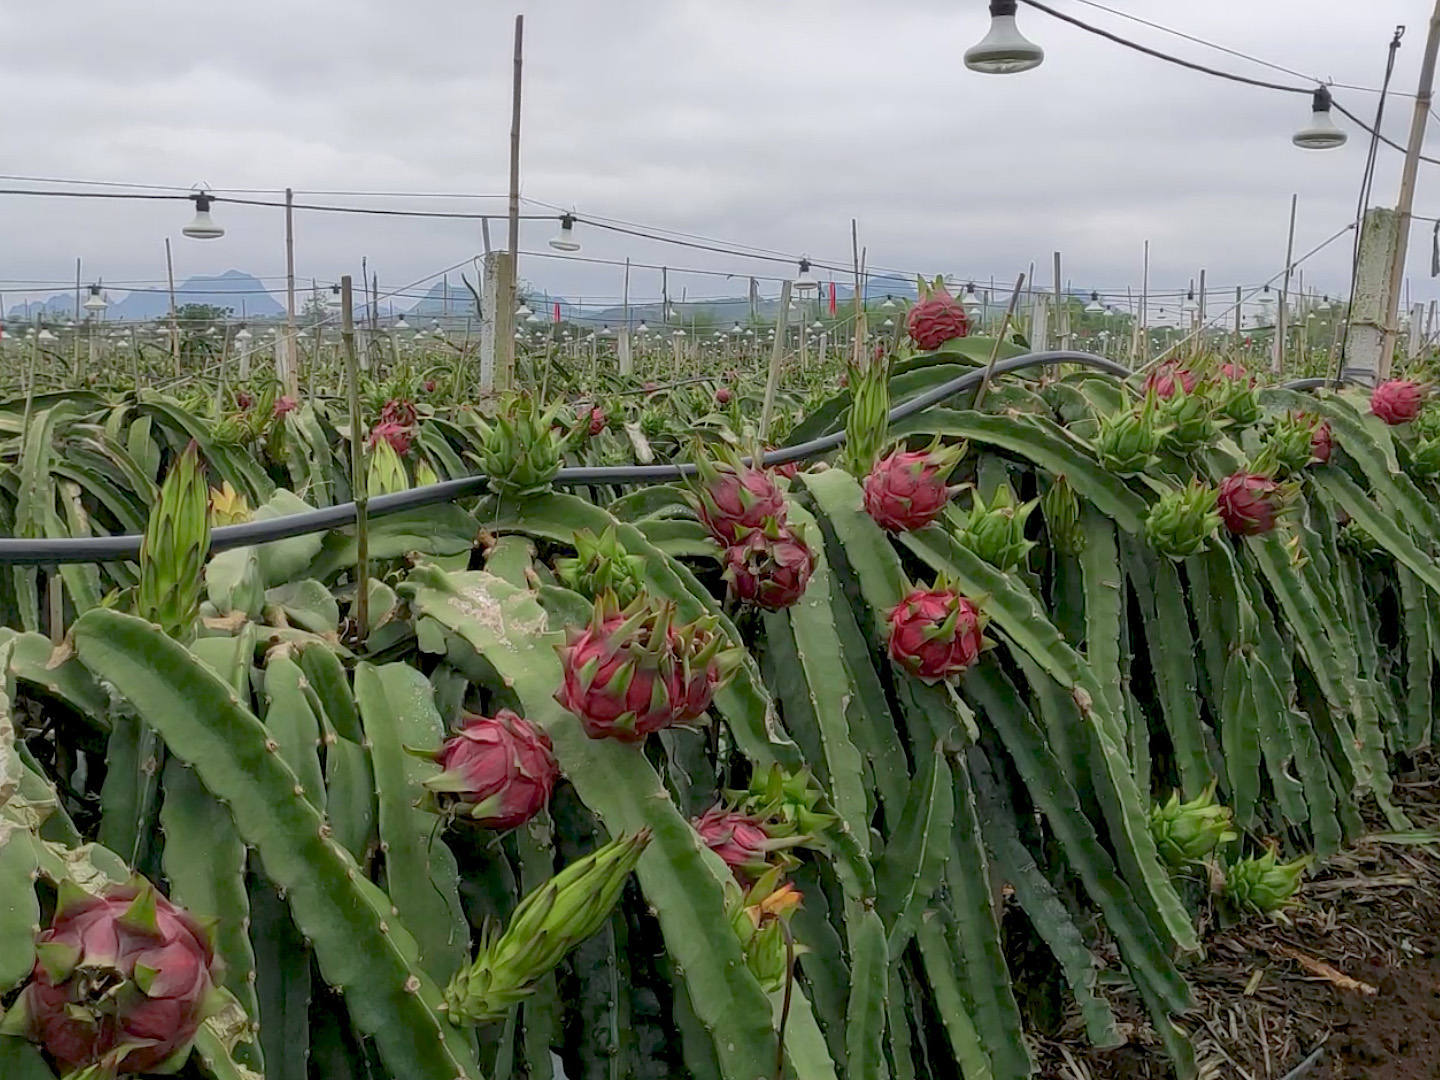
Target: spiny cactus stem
{"points": [[357, 465]]}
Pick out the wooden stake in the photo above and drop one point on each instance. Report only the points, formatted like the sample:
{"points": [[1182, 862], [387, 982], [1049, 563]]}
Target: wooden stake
{"points": [[1277, 358], [777, 354], [504, 331], [174, 326], [357, 463], [999, 338]]}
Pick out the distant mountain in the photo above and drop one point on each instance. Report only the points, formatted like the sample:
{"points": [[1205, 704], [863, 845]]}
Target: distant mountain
{"points": [[233, 289]]}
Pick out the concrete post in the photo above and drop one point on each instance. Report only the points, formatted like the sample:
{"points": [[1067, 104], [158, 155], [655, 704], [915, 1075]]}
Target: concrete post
{"points": [[1369, 304]]}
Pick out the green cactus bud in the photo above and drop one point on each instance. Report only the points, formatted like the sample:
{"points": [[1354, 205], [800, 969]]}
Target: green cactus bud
{"points": [[523, 447], [996, 532], [787, 804], [760, 917], [1188, 419], [1425, 458], [174, 549], [1127, 440], [1182, 522], [1288, 444], [867, 424], [385, 473], [1264, 883], [1061, 510], [1186, 832], [602, 564], [549, 922], [228, 506]]}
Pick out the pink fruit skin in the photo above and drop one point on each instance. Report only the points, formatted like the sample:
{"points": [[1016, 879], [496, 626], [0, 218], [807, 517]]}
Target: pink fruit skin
{"points": [[161, 1021], [501, 768], [399, 411], [937, 320], [285, 404], [770, 571], [1235, 373], [916, 639], [722, 396], [1322, 442], [653, 692], [738, 839], [905, 491], [595, 415], [1398, 401], [392, 432], [737, 501], [1164, 379], [1249, 503]]}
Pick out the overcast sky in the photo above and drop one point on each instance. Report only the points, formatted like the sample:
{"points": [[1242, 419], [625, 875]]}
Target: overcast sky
{"points": [[769, 123]]}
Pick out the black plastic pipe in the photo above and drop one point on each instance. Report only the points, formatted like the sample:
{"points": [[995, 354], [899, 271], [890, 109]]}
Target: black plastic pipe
{"points": [[126, 547]]}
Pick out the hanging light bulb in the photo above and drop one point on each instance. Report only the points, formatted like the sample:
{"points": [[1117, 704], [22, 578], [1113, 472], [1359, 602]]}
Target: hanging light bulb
{"points": [[1004, 50], [533, 318], [45, 334], [889, 304], [523, 311], [737, 328], [1321, 133], [971, 301], [1094, 307], [817, 325], [202, 228], [805, 281], [565, 240], [401, 325], [244, 336], [679, 332], [336, 300], [642, 328], [95, 303], [888, 324]]}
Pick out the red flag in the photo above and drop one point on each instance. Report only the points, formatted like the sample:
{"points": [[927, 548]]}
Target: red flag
{"points": [[832, 299], [557, 311]]}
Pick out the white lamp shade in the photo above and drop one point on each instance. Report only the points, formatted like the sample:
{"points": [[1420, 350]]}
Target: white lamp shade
{"points": [[1004, 50], [95, 302], [1321, 133], [565, 240], [202, 227]]}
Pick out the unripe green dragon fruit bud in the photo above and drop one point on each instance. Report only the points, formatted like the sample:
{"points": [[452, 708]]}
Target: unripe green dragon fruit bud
{"points": [[385, 474], [425, 474], [867, 424], [1239, 400], [1181, 522], [523, 447], [1188, 420], [1290, 444], [760, 917], [1061, 510], [228, 506], [1127, 440], [174, 549], [996, 532], [550, 921], [1425, 458], [601, 564], [1264, 883], [1186, 832], [786, 803]]}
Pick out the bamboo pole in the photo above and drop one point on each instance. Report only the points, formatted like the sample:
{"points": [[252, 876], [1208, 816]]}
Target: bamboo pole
{"points": [[359, 488]]}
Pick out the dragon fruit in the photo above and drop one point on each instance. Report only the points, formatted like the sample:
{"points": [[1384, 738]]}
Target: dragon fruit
{"points": [[1294, 441], [1251, 503], [907, 490], [284, 404], [741, 840], [1166, 378], [1322, 443], [1263, 883], [399, 411], [1398, 401], [392, 432], [722, 396], [1181, 522], [996, 533], [769, 567], [937, 317], [122, 981], [596, 417], [632, 672], [498, 771], [936, 633], [733, 498]]}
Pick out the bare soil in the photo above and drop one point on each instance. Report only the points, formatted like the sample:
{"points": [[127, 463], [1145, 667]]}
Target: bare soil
{"points": [[1346, 985]]}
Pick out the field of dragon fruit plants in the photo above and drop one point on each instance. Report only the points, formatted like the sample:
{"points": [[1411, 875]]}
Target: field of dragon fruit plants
{"points": [[766, 772]]}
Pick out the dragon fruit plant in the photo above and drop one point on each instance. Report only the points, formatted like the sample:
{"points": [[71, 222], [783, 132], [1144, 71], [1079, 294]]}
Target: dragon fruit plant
{"points": [[936, 633], [732, 498], [769, 567], [1251, 504], [1182, 522], [1398, 401], [937, 317], [497, 771]]}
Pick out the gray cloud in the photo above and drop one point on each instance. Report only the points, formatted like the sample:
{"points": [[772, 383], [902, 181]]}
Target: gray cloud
{"points": [[769, 124]]}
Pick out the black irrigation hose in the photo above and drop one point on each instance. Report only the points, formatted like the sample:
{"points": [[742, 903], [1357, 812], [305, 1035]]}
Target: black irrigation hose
{"points": [[100, 549]]}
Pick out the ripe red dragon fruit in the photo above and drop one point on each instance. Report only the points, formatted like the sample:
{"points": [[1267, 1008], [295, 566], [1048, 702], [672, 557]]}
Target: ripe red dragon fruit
{"points": [[399, 411], [243, 400], [1251, 503], [632, 672], [430, 385], [1166, 378], [739, 839], [734, 498], [596, 416], [1322, 442], [769, 567], [284, 404], [392, 432], [122, 981], [1235, 373], [907, 490], [936, 318], [499, 770], [936, 633], [1398, 401], [722, 396]]}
